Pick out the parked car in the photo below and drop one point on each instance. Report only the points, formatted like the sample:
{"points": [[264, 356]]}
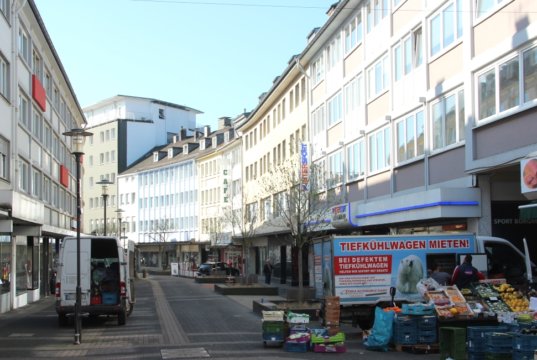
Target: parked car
{"points": [[209, 268]]}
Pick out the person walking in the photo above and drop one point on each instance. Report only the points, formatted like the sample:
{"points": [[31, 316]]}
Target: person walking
{"points": [[466, 273], [267, 271]]}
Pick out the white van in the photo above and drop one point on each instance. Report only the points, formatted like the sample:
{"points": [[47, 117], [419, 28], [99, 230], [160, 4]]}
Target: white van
{"points": [[104, 279]]}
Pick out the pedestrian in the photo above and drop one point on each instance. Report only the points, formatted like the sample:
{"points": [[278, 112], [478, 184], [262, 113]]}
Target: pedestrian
{"points": [[441, 277], [267, 271], [466, 273]]}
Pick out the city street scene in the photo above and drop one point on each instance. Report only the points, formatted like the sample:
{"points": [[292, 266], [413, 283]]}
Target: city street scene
{"points": [[173, 318], [268, 179]]}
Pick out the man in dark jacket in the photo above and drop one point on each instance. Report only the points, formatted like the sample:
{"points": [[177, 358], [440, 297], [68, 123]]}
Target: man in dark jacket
{"points": [[466, 273]]}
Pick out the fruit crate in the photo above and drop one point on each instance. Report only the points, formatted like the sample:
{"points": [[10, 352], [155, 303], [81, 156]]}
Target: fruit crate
{"points": [[296, 346]]}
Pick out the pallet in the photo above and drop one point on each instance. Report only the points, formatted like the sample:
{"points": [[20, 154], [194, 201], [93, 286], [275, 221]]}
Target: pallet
{"points": [[419, 348]]}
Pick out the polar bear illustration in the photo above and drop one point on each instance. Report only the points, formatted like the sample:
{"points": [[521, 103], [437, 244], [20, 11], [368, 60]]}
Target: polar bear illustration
{"points": [[410, 272]]}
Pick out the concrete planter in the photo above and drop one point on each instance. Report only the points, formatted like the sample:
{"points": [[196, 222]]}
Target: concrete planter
{"points": [[245, 290]]}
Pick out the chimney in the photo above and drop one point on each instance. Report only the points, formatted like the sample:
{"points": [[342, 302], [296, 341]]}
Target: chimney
{"points": [[182, 135], [223, 122], [206, 130]]}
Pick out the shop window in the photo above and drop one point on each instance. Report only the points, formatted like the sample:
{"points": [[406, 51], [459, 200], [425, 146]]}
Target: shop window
{"points": [[5, 263]]}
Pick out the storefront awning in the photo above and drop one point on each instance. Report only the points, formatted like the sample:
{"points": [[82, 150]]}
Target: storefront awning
{"points": [[528, 211]]}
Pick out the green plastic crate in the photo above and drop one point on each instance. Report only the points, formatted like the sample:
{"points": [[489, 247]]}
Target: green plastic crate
{"points": [[452, 342]]}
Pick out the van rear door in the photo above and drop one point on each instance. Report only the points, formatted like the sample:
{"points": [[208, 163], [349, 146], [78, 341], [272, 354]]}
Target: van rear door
{"points": [[69, 272]]}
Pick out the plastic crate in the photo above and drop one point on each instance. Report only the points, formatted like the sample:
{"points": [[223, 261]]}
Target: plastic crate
{"points": [[296, 346], [478, 355], [405, 323], [524, 342], [427, 338], [497, 342], [498, 356], [329, 348], [452, 342], [417, 309], [476, 336], [109, 298], [426, 322], [523, 355]]}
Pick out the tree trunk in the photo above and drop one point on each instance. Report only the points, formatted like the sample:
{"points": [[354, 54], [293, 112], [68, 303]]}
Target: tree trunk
{"points": [[300, 277]]}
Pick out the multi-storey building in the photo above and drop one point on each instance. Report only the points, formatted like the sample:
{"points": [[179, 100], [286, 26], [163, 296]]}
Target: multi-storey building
{"points": [[219, 174], [420, 118], [125, 129], [37, 170]]}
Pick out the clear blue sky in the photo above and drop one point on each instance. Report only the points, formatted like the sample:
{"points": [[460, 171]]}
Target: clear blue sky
{"points": [[216, 56]]}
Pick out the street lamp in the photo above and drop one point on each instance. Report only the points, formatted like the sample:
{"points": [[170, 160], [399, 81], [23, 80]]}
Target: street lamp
{"points": [[104, 183], [119, 214], [78, 137]]}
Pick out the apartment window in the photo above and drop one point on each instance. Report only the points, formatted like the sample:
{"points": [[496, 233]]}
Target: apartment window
{"points": [[46, 189], [376, 11], [24, 175], [318, 123], [48, 84], [4, 159], [379, 150], [335, 169], [37, 124], [499, 88], [24, 111], [280, 204], [408, 54], [4, 76], [24, 46], [446, 26], [377, 77], [334, 52], [267, 208], [317, 71], [484, 7], [353, 33], [335, 108], [356, 160], [448, 120], [319, 174], [37, 65], [410, 135], [161, 114], [353, 95], [36, 183], [251, 212]]}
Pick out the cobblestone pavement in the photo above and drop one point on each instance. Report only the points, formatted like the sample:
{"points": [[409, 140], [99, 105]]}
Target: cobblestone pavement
{"points": [[174, 318]]}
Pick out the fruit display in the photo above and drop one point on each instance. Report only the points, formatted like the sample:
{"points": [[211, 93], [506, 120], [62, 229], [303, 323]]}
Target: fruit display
{"points": [[438, 298], [497, 305], [516, 301], [455, 310], [454, 294], [485, 291]]}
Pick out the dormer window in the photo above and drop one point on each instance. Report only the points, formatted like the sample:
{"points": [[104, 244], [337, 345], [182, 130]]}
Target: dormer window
{"points": [[202, 144], [155, 156], [185, 148], [161, 114], [170, 153]]}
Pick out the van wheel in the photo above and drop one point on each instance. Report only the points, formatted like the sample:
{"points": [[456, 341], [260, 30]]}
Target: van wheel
{"points": [[62, 320], [122, 317]]}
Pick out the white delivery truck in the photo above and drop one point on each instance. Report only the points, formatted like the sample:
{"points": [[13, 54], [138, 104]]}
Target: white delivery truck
{"points": [[104, 279], [364, 270]]}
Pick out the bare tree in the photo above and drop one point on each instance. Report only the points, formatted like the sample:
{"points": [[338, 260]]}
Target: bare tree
{"points": [[160, 235], [299, 201], [241, 227]]}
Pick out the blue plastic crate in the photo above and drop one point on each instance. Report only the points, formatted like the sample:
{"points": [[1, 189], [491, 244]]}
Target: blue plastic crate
{"points": [[523, 355], [296, 347], [475, 336], [405, 323], [479, 355], [427, 338], [499, 343], [417, 309], [426, 322], [524, 342]]}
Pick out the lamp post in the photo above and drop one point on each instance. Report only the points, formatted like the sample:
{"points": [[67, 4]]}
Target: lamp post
{"points": [[120, 231], [78, 137], [104, 183]]}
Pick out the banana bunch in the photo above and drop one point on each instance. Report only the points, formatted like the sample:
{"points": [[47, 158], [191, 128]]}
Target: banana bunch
{"points": [[504, 288]]}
